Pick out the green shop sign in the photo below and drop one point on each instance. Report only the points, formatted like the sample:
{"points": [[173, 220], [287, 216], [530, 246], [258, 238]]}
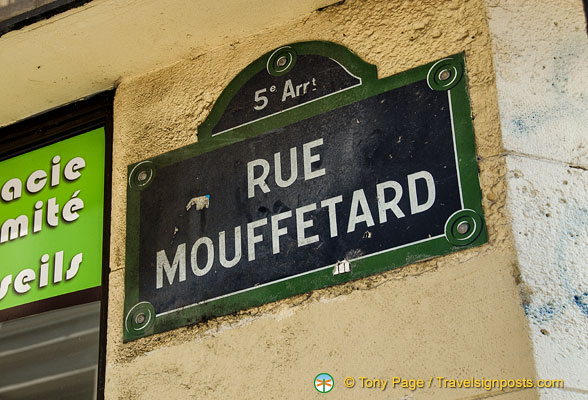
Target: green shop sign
{"points": [[51, 225]]}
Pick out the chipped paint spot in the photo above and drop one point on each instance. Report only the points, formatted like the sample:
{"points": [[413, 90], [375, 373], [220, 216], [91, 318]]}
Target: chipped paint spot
{"points": [[353, 254], [342, 267], [200, 202]]}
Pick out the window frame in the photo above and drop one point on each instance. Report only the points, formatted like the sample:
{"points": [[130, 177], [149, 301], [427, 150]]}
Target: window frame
{"points": [[50, 127], [37, 14]]}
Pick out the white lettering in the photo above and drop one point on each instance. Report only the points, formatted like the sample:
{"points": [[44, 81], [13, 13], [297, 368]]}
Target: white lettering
{"points": [[52, 211], [252, 238], [55, 171], [310, 159], [288, 90], [415, 207], [277, 231], [58, 267], [21, 282], [359, 201], [14, 228], [170, 271], [38, 217], [302, 225], [222, 249], [12, 189], [74, 266], [384, 205], [36, 181], [69, 212], [330, 203], [44, 271], [293, 169], [194, 256], [70, 172], [260, 180], [5, 285]]}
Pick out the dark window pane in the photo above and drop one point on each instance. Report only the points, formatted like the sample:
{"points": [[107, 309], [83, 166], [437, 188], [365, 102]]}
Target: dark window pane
{"points": [[53, 355], [14, 14], [13, 8]]}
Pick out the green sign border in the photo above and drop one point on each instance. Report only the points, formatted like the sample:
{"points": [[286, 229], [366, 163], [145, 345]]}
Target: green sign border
{"points": [[139, 317]]}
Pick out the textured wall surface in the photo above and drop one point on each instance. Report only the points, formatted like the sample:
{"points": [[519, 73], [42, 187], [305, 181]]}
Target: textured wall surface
{"points": [[456, 316], [90, 48], [541, 57]]}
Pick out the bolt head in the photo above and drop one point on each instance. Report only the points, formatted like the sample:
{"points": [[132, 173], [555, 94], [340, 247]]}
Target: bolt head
{"points": [[140, 318], [463, 227], [282, 61], [444, 75], [142, 177]]}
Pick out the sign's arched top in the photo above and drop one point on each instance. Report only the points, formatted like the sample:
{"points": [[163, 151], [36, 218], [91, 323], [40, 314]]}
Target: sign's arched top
{"points": [[283, 80]]}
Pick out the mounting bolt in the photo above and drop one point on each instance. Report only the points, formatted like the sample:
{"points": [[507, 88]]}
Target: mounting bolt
{"points": [[444, 75], [140, 318], [282, 61], [463, 227], [142, 177]]}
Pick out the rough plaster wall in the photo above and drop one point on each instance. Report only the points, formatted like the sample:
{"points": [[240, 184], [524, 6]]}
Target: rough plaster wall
{"points": [[541, 57], [455, 316], [90, 48]]}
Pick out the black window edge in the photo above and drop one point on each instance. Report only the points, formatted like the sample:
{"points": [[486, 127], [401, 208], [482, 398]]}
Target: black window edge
{"points": [[585, 3], [62, 123], [38, 14], [56, 124]]}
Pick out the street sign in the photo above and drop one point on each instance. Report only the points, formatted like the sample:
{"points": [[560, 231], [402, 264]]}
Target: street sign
{"points": [[309, 171]]}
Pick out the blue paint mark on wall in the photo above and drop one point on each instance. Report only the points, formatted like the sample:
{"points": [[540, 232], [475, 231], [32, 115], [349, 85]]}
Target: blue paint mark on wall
{"points": [[582, 302], [547, 312], [526, 124], [543, 313], [574, 222], [552, 108]]}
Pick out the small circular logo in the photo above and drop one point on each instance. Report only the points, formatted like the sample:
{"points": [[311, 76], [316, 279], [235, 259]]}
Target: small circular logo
{"points": [[324, 383]]}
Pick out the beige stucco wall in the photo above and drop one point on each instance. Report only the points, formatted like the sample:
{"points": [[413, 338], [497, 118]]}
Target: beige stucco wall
{"points": [[90, 48], [456, 316]]}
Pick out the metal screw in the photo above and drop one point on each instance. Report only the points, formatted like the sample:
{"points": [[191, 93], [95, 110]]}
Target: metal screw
{"points": [[282, 61], [444, 75], [140, 318], [463, 227], [142, 176]]}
